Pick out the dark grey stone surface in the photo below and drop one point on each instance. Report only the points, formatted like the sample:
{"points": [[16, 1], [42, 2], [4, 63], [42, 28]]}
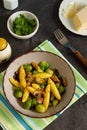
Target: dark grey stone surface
{"points": [[74, 118]]}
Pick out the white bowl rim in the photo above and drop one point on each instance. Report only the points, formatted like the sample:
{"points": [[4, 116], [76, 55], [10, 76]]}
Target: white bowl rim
{"points": [[25, 36]]}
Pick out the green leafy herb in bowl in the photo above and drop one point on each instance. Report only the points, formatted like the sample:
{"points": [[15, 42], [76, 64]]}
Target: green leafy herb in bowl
{"points": [[23, 24]]}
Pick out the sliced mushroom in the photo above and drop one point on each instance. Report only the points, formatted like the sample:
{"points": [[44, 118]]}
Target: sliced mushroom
{"points": [[39, 96]]}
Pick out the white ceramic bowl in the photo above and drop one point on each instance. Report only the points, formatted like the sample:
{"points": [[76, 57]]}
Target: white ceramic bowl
{"points": [[56, 62], [27, 14]]}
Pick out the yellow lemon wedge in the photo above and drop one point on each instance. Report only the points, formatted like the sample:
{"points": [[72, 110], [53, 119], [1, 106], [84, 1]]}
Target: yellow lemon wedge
{"points": [[3, 43]]}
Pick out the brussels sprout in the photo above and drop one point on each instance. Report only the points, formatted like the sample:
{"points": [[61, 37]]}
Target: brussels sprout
{"points": [[28, 67], [57, 85], [40, 108], [15, 88], [61, 89], [44, 65], [40, 80], [34, 72], [18, 93], [42, 86], [55, 102], [34, 102], [28, 104], [50, 71]]}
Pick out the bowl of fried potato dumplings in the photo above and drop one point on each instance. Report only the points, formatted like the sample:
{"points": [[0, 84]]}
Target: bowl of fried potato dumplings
{"points": [[39, 84]]}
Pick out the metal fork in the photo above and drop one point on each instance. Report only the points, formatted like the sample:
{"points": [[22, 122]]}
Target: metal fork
{"points": [[65, 42]]}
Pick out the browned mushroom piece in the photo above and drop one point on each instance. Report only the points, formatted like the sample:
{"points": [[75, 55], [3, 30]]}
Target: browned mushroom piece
{"points": [[30, 78], [64, 81], [55, 79], [39, 96], [16, 75], [36, 66]]}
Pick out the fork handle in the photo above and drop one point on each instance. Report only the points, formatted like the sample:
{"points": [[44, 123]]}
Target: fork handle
{"points": [[81, 57]]}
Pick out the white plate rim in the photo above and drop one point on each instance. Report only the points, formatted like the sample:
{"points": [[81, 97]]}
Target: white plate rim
{"points": [[65, 21]]}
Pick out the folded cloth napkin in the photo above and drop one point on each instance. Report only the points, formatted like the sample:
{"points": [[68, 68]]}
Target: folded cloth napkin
{"points": [[12, 120]]}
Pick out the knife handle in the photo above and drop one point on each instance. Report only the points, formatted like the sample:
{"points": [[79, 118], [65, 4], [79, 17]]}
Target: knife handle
{"points": [[81, 57]]}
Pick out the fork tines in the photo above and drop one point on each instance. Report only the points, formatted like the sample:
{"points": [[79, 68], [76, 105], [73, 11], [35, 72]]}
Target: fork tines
{"points": [[58, 34]]}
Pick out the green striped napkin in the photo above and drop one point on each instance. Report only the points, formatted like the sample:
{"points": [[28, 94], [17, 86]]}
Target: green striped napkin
{"points": [[12, 120]]}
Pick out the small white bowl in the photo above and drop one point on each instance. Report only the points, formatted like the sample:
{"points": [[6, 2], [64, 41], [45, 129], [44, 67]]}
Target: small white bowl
{"points": [[27, 14]]}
